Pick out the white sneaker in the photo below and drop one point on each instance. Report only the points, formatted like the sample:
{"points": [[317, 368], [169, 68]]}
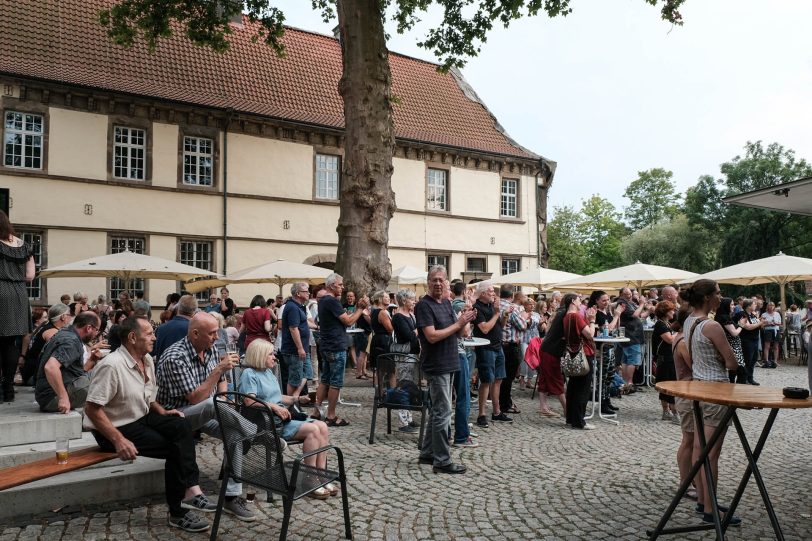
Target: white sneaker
{"points": [[473, 434], [588, 426]]}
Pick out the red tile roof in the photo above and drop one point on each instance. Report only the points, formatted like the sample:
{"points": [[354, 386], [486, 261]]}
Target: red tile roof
{"points": [[61, 41]]}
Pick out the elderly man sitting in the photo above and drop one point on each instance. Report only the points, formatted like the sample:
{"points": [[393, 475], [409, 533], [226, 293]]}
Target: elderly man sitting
{"points": [[188, 376], [124, 417]]}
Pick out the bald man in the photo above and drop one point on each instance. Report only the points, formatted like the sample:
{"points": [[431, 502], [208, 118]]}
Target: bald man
{"points": [[188, 376]]}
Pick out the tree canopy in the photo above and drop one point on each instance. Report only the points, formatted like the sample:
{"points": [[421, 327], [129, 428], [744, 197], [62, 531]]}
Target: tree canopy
{"points": [[460, 35], [653, 197]]}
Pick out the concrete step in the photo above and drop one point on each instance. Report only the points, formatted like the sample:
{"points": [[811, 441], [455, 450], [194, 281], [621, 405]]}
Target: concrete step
{"points": [[106, 482], [22, 423], [14, 455]]}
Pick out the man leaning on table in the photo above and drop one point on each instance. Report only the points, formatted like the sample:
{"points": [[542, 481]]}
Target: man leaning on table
{"points": [[124, 417]]}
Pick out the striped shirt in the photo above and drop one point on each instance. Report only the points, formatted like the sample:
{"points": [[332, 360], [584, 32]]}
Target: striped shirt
{"points": [[513, 329], [707, 366], [181, 371]]}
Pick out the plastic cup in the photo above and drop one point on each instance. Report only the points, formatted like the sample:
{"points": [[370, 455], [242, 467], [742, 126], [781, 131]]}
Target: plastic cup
{"points": [[622, 332], [62, 450]]}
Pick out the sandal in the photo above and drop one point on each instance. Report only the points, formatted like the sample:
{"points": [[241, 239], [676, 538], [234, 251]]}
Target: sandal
{"points": [[316, 416], [336, 421], [513, 409]]}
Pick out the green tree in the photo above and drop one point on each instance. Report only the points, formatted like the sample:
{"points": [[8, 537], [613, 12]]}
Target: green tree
{"points": [[565, 240], [652, 197], [367, 199], [673, 243], [750, 233], [603, 233]]}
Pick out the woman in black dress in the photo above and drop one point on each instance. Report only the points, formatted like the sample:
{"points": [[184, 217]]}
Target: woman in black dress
{"points": [[16, 270], [662, 339]]}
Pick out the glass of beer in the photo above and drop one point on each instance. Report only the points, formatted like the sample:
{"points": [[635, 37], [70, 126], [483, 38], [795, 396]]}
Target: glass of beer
{"points": [[62, 448]]}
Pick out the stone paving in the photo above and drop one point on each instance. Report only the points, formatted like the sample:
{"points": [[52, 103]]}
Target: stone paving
{"points": [[529, 480]]}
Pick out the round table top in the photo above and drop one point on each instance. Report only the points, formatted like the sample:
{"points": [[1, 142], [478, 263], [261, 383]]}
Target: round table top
{"points": [[355, 330], [732, 394], [610, 340], [474, 342]]}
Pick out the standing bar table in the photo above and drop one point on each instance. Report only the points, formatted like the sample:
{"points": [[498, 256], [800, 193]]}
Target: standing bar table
{"points": [[648, 357], [597, 378], [736, 397]]}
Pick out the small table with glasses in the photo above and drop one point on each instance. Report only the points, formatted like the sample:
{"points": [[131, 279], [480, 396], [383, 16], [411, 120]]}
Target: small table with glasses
{"points": [[597, 378]]}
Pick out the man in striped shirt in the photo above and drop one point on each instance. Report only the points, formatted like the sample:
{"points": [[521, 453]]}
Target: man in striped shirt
{"points": [[513, 327]]}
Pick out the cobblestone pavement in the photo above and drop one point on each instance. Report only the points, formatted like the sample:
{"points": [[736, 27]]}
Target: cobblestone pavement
{"points": [[529, 480]]}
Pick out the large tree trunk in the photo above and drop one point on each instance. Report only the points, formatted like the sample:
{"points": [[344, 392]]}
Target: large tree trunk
{"points": [[367, 199]]}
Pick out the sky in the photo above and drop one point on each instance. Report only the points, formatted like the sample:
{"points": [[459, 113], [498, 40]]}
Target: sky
{"points": [[612, 89]]}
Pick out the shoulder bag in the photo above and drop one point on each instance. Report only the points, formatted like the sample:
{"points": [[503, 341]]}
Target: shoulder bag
{"points": [[574, 364]]}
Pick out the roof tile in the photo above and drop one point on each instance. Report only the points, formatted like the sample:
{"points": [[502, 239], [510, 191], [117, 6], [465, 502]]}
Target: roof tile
{"points": [[62, 41]]}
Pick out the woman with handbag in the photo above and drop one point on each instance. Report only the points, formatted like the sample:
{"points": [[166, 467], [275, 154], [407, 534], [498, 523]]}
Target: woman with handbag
{"points": [[661, 340], [578, 333]]}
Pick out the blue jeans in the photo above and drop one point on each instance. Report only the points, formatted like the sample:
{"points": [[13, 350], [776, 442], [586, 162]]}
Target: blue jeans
{"points": [[462, 408], [435, 440]]}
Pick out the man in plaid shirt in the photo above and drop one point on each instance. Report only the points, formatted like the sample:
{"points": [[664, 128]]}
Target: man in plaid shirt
{"points": [[512, 311], [188, 376]]}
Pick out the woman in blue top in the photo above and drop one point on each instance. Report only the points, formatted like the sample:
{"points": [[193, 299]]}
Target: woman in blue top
{"points": [[258, 381]]}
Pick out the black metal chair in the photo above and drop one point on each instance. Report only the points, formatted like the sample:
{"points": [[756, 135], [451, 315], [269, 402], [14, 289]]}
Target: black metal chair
{"points": [[257, 460], [399, 385]]}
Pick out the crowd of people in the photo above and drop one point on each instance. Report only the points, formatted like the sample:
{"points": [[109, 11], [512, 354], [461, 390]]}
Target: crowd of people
{"points": [[147, 388]]}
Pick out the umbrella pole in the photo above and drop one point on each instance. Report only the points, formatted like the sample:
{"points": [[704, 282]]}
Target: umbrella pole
{"points": [[782, 288]]}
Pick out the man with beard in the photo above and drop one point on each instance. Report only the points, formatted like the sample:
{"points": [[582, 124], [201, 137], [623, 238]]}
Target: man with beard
{"points": [[62, 378]]}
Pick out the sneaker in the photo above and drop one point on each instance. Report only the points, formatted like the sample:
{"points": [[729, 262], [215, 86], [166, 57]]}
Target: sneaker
{"points": [[676, 419], [467, 443], [199, 503], [734, 520], [482, 421], [588, 426], [238, 508], [473, 434], [666, 416], [414, 424], [502, 418], [189, 522], [408, 429]]}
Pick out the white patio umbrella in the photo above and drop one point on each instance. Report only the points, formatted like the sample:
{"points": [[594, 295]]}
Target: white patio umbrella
{"points": [[539, 277], [279, 272], [126, 266], [778, 269], [408, 276], [638, 275]]}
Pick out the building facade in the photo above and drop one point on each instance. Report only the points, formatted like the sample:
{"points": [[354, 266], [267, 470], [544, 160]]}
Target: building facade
{"points": [[106, 149]]}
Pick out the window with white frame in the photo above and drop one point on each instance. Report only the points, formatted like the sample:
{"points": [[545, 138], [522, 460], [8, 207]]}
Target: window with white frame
{"points": [[23, 140], [198, 161], [35, 240], [510, 195], [509, 265], [437, 259], [327, 176], [120, 244], [197, 253], [129, 153], [437, 189]]}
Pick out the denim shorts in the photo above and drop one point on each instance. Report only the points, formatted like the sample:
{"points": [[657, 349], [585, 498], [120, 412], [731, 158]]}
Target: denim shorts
{"points": [[332, 368], [633, 354], [298, 369], [490, 364]]}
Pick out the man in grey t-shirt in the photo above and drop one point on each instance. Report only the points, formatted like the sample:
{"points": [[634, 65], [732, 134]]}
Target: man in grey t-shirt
{"points": [[62, 379]]}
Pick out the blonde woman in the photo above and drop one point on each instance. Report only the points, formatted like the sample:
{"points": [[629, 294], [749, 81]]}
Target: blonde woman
{"points": [[259, 382]]}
